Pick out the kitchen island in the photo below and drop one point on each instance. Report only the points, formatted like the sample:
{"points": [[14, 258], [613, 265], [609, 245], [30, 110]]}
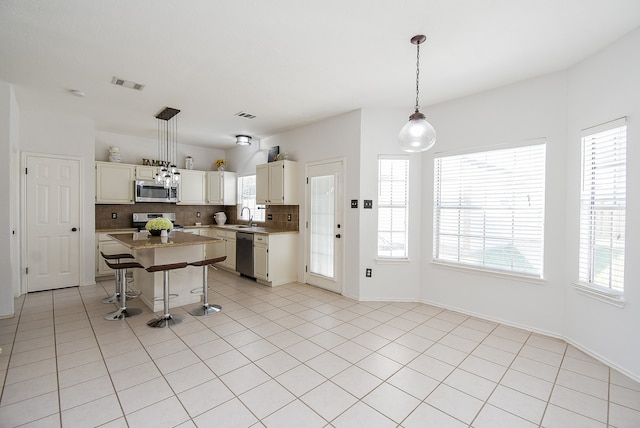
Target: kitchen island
{"points": [[175, 248]]}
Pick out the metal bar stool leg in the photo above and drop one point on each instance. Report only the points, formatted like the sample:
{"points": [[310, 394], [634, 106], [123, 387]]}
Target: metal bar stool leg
{"points": [[167, 319], [123, 312], [116, 296], [206, 308], [116, 258]]}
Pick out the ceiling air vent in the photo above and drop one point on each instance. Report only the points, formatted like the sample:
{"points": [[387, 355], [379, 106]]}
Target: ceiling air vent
{"points": [[127, 83], [245, 115]]}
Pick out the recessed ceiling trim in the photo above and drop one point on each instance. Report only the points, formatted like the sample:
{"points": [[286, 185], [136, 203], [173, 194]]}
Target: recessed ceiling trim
{"points": [[127, 83]]}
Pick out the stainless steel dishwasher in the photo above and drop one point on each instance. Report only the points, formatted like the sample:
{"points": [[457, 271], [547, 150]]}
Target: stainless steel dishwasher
{"points": [[244, 253]]}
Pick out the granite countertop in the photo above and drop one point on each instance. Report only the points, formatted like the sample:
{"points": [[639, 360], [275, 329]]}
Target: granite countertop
{"points": [[243, 228], [234, 227], [117, 230], [254, 229], [143, 240]]}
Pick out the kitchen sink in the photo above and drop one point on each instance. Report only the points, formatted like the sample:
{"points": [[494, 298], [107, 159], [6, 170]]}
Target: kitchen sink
{"points": [[242, 226]]}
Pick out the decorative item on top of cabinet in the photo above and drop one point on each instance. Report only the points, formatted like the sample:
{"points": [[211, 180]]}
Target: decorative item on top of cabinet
{"points": [[221, 188], [277, 183], [114, 183]]}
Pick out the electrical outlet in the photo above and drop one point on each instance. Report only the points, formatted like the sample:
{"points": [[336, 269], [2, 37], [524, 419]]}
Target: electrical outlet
{"points": [[198, 214], [288, 217], [114, 215], [367, 273], [368, 204], [269, 216], [354, 203]]}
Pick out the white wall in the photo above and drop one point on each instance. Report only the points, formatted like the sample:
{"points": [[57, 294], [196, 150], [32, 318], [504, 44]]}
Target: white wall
{"points": [[243, 159], [134, 149], [602, 88], [399, 281], [47, 131], [535, 108], [8, 240], [333, 138]]}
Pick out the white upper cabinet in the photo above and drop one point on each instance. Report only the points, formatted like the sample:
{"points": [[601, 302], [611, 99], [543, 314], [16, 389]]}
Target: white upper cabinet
{"points": [[277, 183], [221, 188], [144, 172], [192, 187], [114, 183]]}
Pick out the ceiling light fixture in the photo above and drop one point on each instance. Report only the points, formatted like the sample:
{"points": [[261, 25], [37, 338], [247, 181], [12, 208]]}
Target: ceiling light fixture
{"points": [[77, 92], [243, 140], [417, 135], [168, 147]]}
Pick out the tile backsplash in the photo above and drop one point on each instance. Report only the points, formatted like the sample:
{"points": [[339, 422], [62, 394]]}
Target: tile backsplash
{"points": [[186, 215]]}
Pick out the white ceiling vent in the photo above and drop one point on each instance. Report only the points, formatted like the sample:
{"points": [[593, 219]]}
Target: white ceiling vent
{"points": [[127, 83], [245, 115]]}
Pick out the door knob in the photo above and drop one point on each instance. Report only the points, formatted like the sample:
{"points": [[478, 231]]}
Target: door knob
{"points": [[75, 229], [338, 235]]}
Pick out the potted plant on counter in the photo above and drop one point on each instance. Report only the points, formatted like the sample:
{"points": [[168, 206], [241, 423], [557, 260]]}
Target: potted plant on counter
{"points": [[157, 225]]}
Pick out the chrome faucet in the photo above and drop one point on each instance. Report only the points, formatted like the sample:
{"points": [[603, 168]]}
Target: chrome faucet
{"points": [[250, 216]]}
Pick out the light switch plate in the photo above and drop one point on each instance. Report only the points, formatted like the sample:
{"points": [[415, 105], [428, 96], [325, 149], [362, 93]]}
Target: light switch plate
{"points": [[354, 203], [368, 204]]}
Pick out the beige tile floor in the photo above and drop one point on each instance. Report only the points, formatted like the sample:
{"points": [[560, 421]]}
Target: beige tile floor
{"points": [[294, 356]]}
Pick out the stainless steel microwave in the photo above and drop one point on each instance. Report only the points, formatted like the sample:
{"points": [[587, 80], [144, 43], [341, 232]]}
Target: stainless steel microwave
{"points": [[151, 191]]}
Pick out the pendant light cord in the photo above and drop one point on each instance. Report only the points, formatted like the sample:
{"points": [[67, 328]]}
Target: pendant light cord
{"points": [[417, 77]]}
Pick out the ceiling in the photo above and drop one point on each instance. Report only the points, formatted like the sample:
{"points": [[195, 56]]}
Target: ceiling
{"points": [[288, 62]]}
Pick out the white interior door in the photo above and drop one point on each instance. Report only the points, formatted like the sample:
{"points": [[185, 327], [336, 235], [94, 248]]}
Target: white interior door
{"points": [[52, 223], [324, 264]]}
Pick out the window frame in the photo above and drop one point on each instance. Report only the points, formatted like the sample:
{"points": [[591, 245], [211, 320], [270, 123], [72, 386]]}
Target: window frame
{"points": [[538, 194], [392, 206], [258, 209], [607, 292]]}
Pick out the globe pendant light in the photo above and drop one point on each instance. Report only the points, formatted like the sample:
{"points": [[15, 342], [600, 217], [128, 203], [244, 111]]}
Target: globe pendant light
{"points": [[417, 135]]}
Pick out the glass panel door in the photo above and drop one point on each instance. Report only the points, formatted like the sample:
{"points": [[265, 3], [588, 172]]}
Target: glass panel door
{"points": [[322, 225], [325, 228]]}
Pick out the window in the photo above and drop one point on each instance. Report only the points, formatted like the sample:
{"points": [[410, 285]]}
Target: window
{"points": [[393, 207], [489, 210], [603, 206], [247, 198]]}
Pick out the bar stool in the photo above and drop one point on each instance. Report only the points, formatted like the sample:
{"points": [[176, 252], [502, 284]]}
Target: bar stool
{"points": [[206, 308], [115, 257], [167, 319], [121, 272]]}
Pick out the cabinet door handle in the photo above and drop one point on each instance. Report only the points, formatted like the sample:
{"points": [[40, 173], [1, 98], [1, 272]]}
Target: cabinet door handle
{"points": [[74, 229], [338, 235]]}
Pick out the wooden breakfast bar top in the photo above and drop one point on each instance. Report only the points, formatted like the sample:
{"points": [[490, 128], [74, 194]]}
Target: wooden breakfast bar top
{"points": [[143, 240], [177, 247]]}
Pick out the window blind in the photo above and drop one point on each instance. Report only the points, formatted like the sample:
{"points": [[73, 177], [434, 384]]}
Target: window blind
{"points": [[603, 206], [489, 209], [393, 207]]}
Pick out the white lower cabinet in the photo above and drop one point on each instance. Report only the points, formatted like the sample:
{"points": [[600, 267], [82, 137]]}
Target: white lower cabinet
{"points": [[226, 248], [108, 246], [261, 256], [275, 258]]}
